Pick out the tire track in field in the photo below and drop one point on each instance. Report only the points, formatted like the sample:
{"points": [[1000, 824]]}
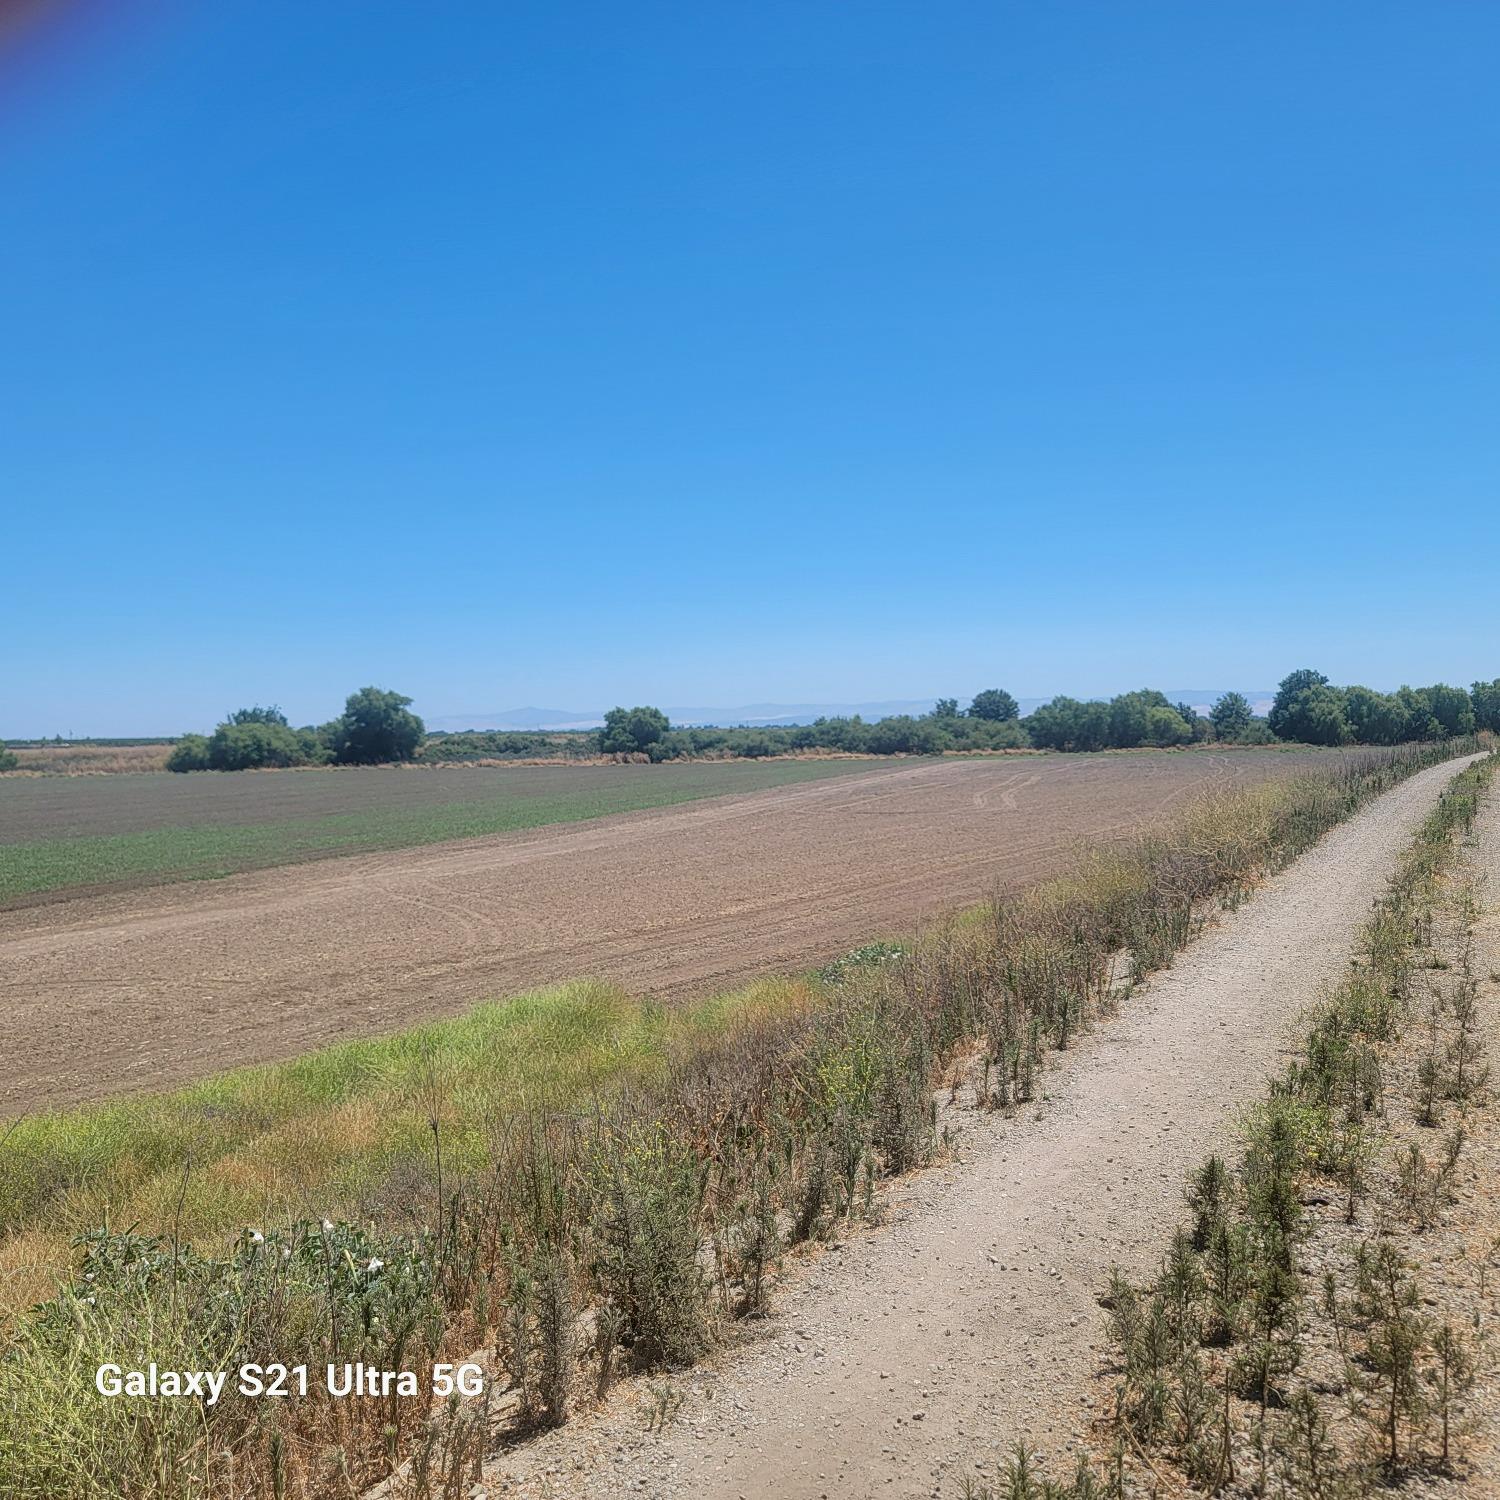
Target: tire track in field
{"points": [[156, 986]]}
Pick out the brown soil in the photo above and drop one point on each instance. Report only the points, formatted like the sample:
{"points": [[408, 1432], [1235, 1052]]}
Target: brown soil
{"points": [[911, 1354], [143, 988]]}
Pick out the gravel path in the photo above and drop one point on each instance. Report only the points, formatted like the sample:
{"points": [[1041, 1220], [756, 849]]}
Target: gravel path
{"points": [[897, 1359]]}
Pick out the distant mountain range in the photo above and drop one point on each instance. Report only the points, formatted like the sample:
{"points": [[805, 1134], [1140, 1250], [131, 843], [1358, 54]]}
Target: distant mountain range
{"points": [[778, 713]]}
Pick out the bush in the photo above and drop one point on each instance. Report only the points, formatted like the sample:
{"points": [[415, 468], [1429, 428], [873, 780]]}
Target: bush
{"points": [[903, 735], [190, 753], [9, 760], [255, 745], [987, 734]]}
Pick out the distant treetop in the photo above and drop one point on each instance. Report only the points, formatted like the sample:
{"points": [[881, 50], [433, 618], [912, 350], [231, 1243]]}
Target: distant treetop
{"points": [[994, 704]]}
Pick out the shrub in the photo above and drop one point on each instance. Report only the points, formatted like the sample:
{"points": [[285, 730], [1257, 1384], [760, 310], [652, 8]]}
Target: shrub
{"points": [[8, 759], [903, 735], [190, 753], [254, 746]]}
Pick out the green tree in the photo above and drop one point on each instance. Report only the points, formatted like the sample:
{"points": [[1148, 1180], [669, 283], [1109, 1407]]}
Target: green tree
{"points": [[1145, 717], [1064, 723], [376, 726], [1308, 710], [945, 708], [1485, 696], [190, 753], [1376, 718], [1231, 716], [1166, 725], [1197, 725], [1288, 691], [1451, 709], [633, 731], [994, 704]]}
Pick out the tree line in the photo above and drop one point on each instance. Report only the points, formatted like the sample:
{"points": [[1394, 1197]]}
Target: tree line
{"points": [[377, 726], [1307, 709]]}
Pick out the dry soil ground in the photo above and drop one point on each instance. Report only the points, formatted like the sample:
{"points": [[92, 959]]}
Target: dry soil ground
{"points": [[142, 988], [895, 1361]]}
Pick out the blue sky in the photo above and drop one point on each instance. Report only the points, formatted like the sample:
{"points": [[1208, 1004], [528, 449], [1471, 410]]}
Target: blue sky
{"points": [[578, 353]]}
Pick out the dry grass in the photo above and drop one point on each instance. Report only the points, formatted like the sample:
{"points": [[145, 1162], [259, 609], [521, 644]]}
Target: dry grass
{"points": [[91, 760]]}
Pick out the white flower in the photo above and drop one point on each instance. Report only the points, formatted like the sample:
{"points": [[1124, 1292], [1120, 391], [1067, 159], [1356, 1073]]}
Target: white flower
{"points": [[375, 1264], [327, 1225], [256, 1237]]}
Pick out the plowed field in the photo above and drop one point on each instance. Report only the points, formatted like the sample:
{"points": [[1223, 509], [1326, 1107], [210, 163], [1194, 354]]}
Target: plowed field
{"points": [[147, 987]]}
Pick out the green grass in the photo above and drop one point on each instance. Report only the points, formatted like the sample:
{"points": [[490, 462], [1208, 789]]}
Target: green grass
{"points": [[321, 1134], [211, 849]]}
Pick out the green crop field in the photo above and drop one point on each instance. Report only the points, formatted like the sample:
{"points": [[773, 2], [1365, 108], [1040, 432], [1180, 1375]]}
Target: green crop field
{"points": [[72, 832]]}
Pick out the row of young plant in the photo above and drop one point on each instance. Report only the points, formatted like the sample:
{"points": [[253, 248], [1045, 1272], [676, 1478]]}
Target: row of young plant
{"points": [[624, 1232], [1219, 1373]]}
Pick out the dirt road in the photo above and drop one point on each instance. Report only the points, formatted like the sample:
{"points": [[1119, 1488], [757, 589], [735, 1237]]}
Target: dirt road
{"points": [[971, 1321], [144, 988]]}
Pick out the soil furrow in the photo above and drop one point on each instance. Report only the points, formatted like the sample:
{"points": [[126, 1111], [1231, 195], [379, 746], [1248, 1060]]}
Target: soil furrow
{"points": [[146, 988]]}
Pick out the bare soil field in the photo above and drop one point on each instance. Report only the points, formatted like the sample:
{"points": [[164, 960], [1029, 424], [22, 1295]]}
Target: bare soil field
{"points": [[906, 1356], [143, 988]]}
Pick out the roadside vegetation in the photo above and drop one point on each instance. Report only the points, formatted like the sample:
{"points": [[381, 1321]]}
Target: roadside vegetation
{"points": [[586, 1183], [1314, 1329]]}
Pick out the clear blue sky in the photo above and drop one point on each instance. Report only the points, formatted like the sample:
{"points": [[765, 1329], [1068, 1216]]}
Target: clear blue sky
{"points": [[568, 353]]}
